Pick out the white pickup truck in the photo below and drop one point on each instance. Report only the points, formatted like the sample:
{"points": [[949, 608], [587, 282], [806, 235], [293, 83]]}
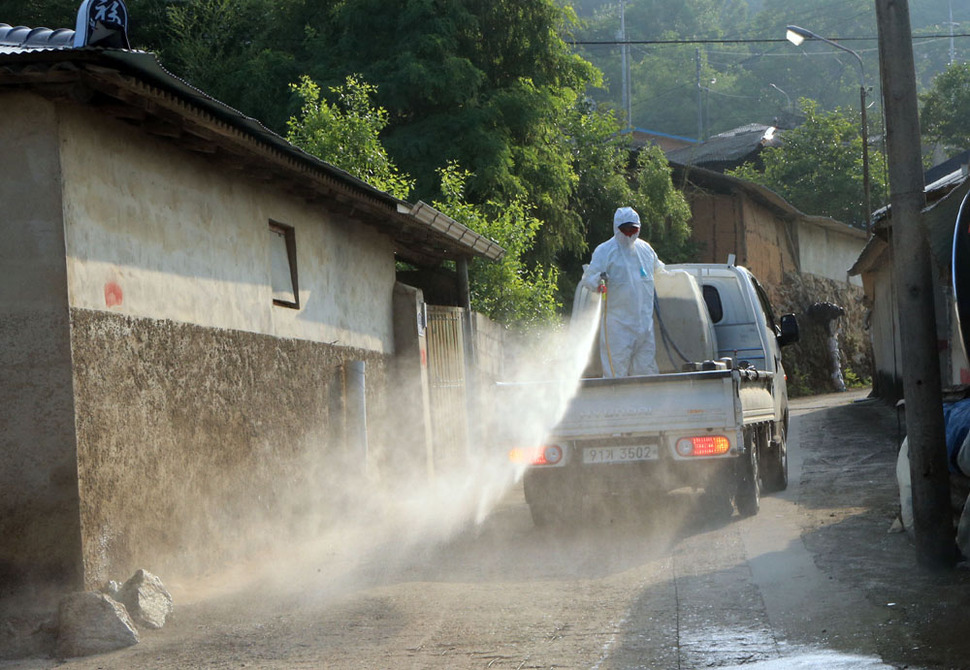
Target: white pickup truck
{"points": [[715, 418]]}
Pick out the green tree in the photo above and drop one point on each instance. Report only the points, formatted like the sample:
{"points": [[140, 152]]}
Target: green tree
{"points": [[230, 49], [818, 169], [508, 291], [347, 132], [486, 83], [609, 175], [943, 115]]}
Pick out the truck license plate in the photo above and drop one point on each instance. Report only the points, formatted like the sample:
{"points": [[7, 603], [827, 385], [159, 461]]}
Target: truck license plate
{"points": [[642, 452]]}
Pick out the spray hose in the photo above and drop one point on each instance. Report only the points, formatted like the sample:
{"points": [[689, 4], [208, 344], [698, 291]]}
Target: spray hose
{"points": [[606, 335], [664, 335]]}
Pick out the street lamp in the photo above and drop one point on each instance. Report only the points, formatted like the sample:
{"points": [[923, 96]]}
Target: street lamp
{"points": [[796, 36], [787, 97]]}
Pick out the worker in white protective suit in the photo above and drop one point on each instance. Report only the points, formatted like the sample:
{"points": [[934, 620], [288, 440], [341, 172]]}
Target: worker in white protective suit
{"points": [[628, 264]]}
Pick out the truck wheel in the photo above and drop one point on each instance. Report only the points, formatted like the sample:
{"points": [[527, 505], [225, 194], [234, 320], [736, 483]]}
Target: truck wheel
{"points": [[748, 496], [776, 467]]}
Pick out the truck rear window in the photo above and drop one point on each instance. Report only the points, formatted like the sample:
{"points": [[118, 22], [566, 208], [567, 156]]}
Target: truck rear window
{"points": [[713, 300]]}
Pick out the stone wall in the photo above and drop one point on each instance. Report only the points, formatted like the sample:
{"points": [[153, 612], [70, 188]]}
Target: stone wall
{"points": [[809, 363], [197, 446]]}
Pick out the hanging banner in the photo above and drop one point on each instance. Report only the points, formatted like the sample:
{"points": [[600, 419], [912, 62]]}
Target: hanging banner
{"points": [[102, 23]]}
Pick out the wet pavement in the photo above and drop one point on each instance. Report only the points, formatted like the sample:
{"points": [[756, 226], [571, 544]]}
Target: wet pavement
{"points": [[815, 580]]}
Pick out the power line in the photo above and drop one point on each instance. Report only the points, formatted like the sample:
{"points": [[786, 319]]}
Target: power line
{"points": [[766, 40]]}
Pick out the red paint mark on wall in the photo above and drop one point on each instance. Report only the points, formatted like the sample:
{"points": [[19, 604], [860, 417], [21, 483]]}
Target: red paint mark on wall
{"points": [[112, 294], [424, 358], [964, 376]]}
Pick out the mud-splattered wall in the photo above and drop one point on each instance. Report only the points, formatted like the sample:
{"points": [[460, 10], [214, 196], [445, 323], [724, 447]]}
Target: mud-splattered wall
{"points": [[197, 444]]}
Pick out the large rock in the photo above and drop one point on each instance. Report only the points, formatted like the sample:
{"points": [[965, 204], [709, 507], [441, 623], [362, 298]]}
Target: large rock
{"points": [[92, 623], [146, 599]]}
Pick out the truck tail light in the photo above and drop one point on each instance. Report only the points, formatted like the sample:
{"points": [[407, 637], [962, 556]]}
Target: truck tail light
{"points": [[703, 445], [549, 454]]}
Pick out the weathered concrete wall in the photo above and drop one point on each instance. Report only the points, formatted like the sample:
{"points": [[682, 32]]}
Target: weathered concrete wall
{"points": [[198, 445], [735, 224], [39, 520], [156, 232], [829, 253], [887, 379]]}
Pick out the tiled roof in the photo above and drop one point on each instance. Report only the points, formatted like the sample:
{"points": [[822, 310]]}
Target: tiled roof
{"points": [[29, 56], [15, 39], [727, 149]]}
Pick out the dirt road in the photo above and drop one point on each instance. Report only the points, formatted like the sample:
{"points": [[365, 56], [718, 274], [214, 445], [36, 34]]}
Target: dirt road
{"points": [[814, 581]]}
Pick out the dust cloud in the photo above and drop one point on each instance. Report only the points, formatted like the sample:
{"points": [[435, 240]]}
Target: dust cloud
{"points": [[361, 527]]}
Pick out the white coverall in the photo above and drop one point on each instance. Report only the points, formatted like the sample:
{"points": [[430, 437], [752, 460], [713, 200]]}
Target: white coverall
{"points": [[626, 337]]}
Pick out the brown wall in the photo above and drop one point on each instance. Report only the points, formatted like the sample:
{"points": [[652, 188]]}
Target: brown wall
{"points": [[734, 224], [198, 445], [767, 251], [716, 226]]}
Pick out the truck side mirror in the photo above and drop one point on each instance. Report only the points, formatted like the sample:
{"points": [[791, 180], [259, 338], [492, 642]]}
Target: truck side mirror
{"points": [[789, 330]]}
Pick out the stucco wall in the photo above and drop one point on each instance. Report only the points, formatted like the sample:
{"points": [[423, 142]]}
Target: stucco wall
{"points": [[201, 445], [154, 397], [206, 414], [173, 237], [887, 355], [828, 253], [39, 522]]}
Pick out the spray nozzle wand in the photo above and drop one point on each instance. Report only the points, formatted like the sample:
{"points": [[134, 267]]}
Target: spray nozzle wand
{"points": [[601, 287]]}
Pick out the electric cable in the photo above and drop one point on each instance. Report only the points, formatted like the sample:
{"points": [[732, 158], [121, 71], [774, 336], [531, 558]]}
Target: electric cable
{"points": [[664, 335]]}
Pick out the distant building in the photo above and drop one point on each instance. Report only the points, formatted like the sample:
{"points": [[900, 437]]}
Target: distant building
{"points": [[762, 230], [641, 137], [945, 190], [727, 150]]}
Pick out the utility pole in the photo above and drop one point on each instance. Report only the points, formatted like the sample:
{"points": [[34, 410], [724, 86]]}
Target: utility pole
{"points": [[624, 50], [700, 95], [932, 518], [953, 55]]}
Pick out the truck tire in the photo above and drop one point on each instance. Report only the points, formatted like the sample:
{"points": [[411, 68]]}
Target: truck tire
{"points": [[748, 496], [776, 465]]}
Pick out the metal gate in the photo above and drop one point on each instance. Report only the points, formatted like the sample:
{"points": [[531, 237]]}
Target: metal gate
{"points": [[446, 373]]}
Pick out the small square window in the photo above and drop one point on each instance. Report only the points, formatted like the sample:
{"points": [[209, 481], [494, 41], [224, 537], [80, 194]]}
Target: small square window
{"points": [[286, 289]]}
